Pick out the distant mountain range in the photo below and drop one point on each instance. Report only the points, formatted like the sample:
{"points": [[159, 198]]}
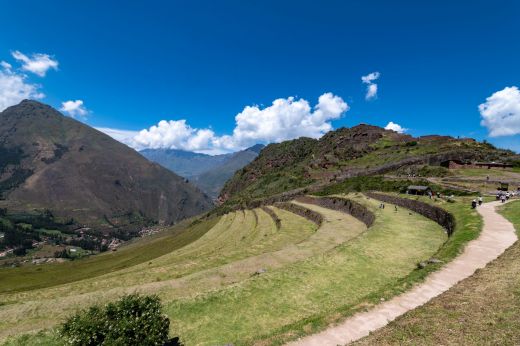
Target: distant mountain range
{"points": [[208, 172], [54, 163]]}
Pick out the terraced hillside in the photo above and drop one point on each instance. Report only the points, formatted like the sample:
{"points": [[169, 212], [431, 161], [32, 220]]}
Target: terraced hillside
{"points": [[266, 274], [360, 151]]}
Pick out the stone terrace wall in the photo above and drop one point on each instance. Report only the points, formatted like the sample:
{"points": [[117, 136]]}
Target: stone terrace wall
{"points": [[348, 206], [273, 216], [439, 215], [282, 197], [302, 211]]}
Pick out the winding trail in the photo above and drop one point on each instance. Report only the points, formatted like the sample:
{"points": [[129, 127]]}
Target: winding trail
{"points": [[497, 235]]}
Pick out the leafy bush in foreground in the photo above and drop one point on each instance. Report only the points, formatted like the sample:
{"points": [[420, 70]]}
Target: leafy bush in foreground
{"points": [[132, 320]]}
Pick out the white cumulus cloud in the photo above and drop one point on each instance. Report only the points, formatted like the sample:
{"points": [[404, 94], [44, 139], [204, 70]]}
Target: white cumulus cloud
{"points": [[395, 127], [38, 63], [5, 65], [175, 134], [369, 78], [371, 92], [284, 119], [501, 112], [371, 86], [74, 108], [15, 88]]}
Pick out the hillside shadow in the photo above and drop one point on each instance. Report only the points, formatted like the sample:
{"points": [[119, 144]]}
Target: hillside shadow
{"points": [[173, 342]]}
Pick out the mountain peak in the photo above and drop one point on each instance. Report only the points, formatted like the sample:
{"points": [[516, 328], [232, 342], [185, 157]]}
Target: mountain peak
{"points": [[31, 103], [65, 166]]}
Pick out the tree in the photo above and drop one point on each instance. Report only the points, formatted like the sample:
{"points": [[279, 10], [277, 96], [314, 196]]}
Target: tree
{"points": [[132, 320]]}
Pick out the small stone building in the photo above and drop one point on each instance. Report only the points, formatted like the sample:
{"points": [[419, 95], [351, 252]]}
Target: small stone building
{"points": [[418, 190]]}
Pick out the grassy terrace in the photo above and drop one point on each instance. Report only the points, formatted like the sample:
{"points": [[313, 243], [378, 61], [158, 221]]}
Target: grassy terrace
{"points": [[468, 225], [312, 277], [307, 295], [237, 236], [234, 237], [16, 279], [481, 310]]}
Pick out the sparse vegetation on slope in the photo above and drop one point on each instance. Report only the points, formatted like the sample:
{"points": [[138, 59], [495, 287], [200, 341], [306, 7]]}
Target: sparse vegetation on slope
{"points": [[362, 151], [59, 164]]}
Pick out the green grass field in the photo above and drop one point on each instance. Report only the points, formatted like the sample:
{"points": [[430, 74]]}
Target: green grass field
{"points": [[306, 295], [239, 280], [483, 173], [481, 310]]}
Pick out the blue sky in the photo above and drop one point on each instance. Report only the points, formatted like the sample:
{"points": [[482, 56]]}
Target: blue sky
{"points": [[136, 64]]}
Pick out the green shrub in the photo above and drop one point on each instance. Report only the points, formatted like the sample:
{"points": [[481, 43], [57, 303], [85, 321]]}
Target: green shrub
{"points": [[132, 320], [515, 163], [433, 171], [366, 183]]}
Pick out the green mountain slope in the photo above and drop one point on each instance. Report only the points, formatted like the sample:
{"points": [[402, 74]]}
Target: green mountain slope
{"points": [[56, 163], [350, 152]]}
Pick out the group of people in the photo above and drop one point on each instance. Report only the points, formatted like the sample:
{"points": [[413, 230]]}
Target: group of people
{"points": [[382, 206], [504, 196], [477, 201]]}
